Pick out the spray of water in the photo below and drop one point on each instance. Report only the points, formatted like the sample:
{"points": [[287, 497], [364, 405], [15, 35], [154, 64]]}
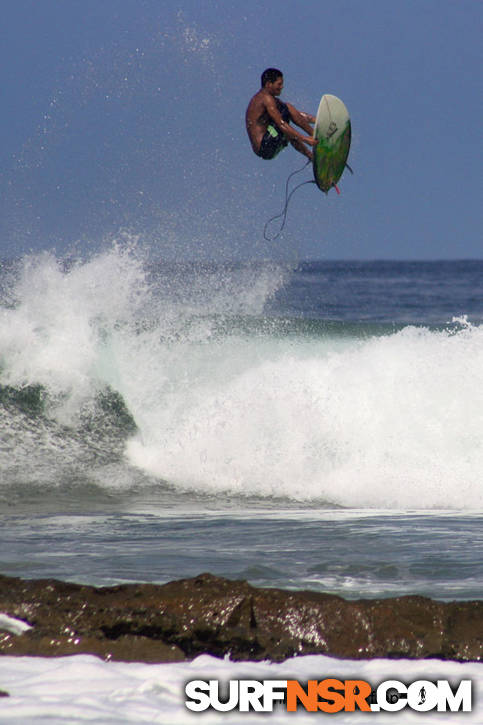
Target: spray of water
{"points": [[388, 421]]}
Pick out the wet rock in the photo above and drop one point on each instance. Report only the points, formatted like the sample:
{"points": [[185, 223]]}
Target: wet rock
{"points": [[207, 614]]}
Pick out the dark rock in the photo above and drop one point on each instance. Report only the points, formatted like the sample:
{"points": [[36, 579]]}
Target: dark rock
{"points": [[207, 614]]}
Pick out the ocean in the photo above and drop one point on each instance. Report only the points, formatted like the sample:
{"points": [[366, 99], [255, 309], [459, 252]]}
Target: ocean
{"points": [[303, 425]]}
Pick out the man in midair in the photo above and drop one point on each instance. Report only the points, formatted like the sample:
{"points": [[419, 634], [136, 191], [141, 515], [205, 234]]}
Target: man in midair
{"points": [[268, 120]]}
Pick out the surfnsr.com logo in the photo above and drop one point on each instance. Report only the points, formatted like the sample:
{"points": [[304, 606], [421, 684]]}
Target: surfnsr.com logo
{"points": [[328, 696]]}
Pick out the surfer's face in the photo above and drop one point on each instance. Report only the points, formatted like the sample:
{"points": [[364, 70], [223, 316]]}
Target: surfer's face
{"points": [[276, 87]]}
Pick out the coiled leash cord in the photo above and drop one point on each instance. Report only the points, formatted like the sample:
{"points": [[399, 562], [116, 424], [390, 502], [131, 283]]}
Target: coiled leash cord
{"points": [[283, 213]]}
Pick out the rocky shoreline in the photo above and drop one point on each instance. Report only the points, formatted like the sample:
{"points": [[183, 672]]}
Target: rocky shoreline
{"points": [[180, 620]]}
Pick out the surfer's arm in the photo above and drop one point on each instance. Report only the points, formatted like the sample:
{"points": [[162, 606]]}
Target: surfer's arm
{"points": [[294, 135], [300, 118], [285, 127]]}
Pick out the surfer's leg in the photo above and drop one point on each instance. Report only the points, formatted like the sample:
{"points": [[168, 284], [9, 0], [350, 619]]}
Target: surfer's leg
{"points": [[301, 148], [300, 119]]}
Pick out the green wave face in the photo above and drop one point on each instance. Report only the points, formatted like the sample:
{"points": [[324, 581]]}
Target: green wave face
{"points": [[330, 157]]}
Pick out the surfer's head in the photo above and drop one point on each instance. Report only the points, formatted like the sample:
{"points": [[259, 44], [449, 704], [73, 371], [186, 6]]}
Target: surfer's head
{"points": [[272, 79]]}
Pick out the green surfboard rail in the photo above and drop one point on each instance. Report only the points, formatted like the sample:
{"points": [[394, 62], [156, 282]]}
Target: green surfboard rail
{"points": [[330, 157]]}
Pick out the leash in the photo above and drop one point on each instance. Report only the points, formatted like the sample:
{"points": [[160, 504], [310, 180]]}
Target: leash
{"points": [[283, 213]]}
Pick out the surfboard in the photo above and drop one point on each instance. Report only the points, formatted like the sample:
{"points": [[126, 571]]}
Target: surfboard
{"points": [[332, 130]]}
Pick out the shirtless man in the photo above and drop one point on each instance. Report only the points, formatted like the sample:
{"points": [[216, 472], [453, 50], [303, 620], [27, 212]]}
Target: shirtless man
{"points": [[268, 120]]}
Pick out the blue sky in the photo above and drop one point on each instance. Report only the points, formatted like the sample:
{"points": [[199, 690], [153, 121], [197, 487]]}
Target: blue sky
{"points": [[125, 118]]}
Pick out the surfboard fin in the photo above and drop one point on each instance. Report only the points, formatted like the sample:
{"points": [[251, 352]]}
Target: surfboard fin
{"points": [[348, 167]]}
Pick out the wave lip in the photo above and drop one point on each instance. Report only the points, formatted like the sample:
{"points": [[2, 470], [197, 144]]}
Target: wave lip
{"points": [[216, 393]]}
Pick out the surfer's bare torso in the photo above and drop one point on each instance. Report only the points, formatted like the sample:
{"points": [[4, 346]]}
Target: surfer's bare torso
{"points": [[266, 113]]}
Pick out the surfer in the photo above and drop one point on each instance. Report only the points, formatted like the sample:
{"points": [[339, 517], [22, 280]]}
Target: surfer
{"points": [[268, 120]]}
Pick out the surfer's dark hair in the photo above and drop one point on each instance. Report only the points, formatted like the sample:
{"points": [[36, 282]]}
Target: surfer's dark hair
{"points": [[270, 75]]}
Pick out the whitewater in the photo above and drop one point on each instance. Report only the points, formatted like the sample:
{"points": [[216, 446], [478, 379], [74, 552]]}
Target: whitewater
{"points": [[300, 425], [225, 399]]}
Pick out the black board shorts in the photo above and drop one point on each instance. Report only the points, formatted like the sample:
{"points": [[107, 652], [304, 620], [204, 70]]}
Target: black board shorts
{"points": [[274, 140]]}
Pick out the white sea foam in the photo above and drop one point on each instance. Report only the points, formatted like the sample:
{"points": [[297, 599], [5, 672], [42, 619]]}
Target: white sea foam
{"points": [[390, 421], [84, 689], [13, 625], [53, 335]]}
